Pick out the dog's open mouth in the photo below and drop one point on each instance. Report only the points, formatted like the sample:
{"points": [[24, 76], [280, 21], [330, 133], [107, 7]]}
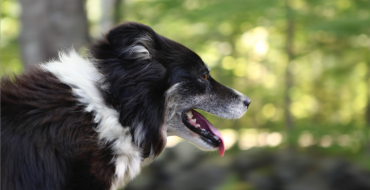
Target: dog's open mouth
{"points": [[201, 126]]}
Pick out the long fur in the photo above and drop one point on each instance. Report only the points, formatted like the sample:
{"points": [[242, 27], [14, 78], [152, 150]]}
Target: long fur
{"points": [[76, 123]]}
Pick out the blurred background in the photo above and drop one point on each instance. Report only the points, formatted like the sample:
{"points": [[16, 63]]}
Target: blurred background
{"points": [[304, 63]]}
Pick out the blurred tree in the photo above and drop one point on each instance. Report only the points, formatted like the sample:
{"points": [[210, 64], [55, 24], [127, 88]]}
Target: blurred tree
{"points": [[289, 47], [367, 79], [118, 12], [48, 26], [111, 14], [106, 21]]}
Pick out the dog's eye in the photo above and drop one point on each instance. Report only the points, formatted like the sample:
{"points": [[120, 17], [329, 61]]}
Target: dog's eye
{"points": [[205, 76]]}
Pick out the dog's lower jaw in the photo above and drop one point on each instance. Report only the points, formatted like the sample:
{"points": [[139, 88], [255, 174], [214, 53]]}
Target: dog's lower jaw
{"points": [[183, 132]]}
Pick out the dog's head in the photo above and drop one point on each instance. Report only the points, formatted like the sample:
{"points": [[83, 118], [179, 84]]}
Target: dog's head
{"points": [[156, 83]]}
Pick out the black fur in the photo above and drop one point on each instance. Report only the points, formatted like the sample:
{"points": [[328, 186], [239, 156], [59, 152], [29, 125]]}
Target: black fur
{"points": [[47, 140]]}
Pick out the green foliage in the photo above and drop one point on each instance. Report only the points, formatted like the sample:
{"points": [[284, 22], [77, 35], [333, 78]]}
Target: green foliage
{"points": [[10, 57]]}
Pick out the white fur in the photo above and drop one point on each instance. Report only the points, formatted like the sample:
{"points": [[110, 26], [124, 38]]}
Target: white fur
{"points": [[241, 109], [140, 51], [171, 106], [139, 47], [83, 77], [139, 134]]}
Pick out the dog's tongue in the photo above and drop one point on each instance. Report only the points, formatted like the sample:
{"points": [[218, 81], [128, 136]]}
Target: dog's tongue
{"points": [[205, 124]]}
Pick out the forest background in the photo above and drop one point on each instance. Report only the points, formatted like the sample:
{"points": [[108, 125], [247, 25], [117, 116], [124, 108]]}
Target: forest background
{"points": [[305, 64]]}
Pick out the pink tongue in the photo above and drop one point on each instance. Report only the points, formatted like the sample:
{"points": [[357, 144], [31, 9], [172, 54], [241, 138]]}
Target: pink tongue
{"points": [[205, 124]]}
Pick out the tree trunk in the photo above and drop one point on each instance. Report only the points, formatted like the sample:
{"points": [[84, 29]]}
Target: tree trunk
{"points": [[367, 113], [289, 46], [50, 26], [118, 13], [107, 15], [111, 14]]}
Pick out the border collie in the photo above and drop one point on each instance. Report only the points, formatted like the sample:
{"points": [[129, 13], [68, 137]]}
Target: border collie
{"points": [[78, 123]]}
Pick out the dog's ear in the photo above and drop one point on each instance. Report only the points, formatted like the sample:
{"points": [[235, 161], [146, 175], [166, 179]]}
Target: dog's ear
{"points": [[136, 41]]}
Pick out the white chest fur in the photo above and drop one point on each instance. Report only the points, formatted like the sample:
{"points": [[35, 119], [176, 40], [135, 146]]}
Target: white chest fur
{"points": [[82, 76]]}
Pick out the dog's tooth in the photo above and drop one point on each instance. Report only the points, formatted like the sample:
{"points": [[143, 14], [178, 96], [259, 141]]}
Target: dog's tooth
{"points": [[203, 130], [189, 114], [216, 138], [197, 125]]}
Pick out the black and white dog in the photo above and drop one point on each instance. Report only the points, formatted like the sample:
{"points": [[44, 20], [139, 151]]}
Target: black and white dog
{"points": [[78, 123]]}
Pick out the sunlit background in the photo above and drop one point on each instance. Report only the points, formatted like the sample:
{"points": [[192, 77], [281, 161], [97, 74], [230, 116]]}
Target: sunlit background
{"points": [[305, 64]]}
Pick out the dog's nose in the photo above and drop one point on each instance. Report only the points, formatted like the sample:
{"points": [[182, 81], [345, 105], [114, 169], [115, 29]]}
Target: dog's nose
{"points": [[247, 102]]}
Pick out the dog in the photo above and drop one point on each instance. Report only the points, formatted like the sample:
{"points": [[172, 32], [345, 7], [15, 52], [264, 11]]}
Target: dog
{"points": [[92, 123]]}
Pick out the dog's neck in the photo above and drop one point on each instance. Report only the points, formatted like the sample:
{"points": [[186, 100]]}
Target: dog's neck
{"points": [[86, 83]]}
